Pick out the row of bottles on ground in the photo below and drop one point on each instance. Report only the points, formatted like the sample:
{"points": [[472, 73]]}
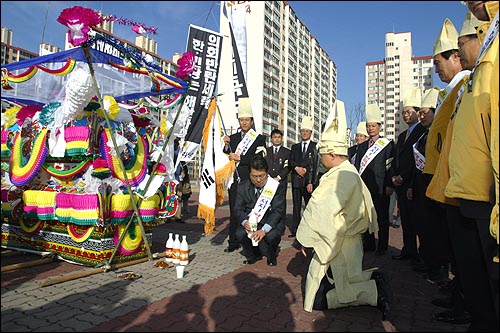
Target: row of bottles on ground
{"points": [[176, 251]]}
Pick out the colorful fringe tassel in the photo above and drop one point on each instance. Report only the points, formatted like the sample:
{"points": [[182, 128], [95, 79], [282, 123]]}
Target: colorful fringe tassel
{"points": [[81, 209], [23, 173], [121, 208], [39, 204], [77, 140]]}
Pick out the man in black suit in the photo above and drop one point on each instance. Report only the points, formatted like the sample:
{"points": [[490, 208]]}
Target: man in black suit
{"points": [[270, 227], [277, 159], [361, 136], [241, 146], [373, 161], [303, 162], [403, 169]]}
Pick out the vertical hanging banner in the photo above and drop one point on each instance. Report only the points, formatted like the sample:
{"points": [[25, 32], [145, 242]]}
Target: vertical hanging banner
{"points": [[206, 46], [237, 19]]}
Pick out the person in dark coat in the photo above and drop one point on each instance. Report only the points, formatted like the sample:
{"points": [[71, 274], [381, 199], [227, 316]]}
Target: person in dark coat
{"points": [[277, 159], [373, 161], [241, 146], [303, 163]]}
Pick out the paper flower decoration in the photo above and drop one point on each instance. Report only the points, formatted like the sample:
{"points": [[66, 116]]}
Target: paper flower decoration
{"points": [[10, 116], [27, 111], [110, 106], [139, 29], [186, 65], [79, 20]]}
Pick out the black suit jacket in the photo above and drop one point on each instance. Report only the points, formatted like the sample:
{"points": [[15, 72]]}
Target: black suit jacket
{"points": [[277, 163], [377, 174], [351, 151], [404, 162], [309, 160], [243, 166], [246, 199]]}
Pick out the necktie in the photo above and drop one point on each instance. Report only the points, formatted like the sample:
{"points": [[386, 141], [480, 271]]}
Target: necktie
{"points": [[407, 134], [304, 148], [371, 143], [275, 152], [258, 191]]}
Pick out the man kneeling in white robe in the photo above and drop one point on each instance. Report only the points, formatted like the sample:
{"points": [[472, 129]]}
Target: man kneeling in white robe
{"points": [[338, 213]]}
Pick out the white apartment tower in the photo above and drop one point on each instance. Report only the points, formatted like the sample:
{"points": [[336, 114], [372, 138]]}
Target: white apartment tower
{"points": [[387, 80], [6, 36], [147, 44], [289, 75]]}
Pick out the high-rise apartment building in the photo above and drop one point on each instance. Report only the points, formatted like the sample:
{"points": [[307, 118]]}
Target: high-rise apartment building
{"points": [[387, 80], [6, 36], [147, 43], [289, 74]]}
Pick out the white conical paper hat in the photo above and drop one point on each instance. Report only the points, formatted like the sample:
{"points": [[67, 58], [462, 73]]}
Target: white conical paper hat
{"points": [[447, 38], [307, 123], [245, 108], [413, 97], [334, 138], [372, 113], [361, 129], [470, 24], [430, 97]]}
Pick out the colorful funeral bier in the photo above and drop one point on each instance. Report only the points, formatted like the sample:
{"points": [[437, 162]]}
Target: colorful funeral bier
{"points": [[79, 129]]}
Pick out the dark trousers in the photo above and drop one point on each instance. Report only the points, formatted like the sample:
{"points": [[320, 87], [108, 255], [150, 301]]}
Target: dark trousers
{"points": [[473, 247], [298, 193], [407, 211], [430, 226], [267, 246], [233, 223], [381, 203]]}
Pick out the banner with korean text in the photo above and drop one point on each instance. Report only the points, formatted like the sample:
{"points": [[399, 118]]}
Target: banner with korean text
{"points": [[206, 46]]}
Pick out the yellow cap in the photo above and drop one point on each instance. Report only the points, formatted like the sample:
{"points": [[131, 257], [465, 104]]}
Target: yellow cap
{"points": [[372, 113], [245, 108], [470, 24], [447, 39], [361, 129], [413, 97], [307, 123], [334, 138], [429, 100]]}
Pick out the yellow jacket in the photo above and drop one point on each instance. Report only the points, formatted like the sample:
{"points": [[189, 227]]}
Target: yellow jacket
{"points": [[437, 132], [470, 161]]}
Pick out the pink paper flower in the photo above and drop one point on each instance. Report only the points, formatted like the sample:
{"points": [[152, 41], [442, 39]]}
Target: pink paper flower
{"points": [[139, 29], [79, 20], [186, 65]]}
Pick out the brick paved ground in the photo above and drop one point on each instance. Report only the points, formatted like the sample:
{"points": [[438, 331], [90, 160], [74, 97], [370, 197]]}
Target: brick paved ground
{"points": [[218, 293]]}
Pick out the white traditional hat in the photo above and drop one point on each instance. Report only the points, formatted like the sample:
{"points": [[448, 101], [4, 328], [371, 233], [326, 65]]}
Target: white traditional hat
{"points": [[334, 137], [307, 123], [245, 108], [372, 113], [447, 39], [429, 100], [413, 97], [470, 24], [361, 129]]}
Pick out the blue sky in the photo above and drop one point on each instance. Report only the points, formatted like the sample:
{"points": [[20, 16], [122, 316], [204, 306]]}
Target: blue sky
{"points": [[341, 27]]}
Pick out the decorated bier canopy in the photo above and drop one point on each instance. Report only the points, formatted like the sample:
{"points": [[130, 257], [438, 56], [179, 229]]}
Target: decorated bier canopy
{"points": [[65, 187]]}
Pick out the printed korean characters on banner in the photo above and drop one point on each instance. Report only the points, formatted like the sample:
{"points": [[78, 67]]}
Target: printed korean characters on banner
{"points": [[206, 46]]}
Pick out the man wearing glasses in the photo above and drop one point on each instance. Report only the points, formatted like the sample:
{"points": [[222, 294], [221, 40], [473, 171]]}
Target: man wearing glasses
{"points": [[260, 200]]}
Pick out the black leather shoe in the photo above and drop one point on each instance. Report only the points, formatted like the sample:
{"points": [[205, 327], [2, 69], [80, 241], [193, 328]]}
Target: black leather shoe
{"points": [[230, 248], [251, 261], [445, 302], [402, 256], [453, 318], [272, 262], [383, 298], [291, 236]]}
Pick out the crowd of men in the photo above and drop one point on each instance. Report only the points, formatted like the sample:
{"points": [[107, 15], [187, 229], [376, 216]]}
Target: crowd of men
{"points": [[443, 169]]}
